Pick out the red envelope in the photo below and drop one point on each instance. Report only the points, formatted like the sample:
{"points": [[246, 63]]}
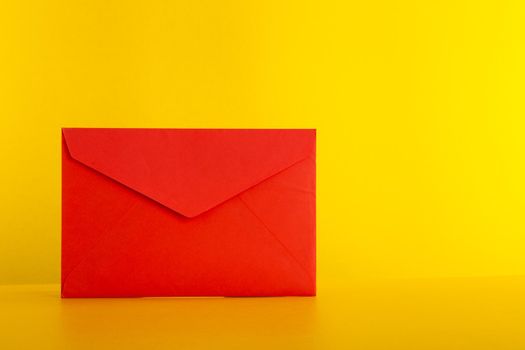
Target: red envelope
{"points": [[188, 212]]}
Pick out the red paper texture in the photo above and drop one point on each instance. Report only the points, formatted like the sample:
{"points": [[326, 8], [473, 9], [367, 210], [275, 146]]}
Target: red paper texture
{"points": [[188, 212]]}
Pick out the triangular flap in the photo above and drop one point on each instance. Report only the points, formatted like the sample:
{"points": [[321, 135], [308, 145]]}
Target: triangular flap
{"points": [[189, 170]]}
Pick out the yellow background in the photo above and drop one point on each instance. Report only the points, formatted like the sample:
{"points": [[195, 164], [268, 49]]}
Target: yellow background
{"points": [[419, 108]]}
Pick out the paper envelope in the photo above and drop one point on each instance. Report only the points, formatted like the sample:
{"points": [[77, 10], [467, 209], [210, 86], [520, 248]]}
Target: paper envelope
{"points": [[188, 212]]}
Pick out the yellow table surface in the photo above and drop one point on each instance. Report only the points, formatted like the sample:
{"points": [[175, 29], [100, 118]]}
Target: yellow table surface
{"points": [[455, 313]]}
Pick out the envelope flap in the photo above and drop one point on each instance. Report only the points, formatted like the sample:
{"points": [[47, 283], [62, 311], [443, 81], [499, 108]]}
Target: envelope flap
{"points": [[189, 170]]}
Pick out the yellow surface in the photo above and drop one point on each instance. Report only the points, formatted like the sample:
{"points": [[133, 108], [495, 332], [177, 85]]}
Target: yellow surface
{"points": [[461, 313], [419, 108]]}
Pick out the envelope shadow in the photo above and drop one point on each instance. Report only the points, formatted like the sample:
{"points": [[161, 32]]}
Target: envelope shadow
{"points": [[187, 322]]}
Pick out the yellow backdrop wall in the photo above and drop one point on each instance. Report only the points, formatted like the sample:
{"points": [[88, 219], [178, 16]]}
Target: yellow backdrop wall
{"points": [[418, 104]]}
